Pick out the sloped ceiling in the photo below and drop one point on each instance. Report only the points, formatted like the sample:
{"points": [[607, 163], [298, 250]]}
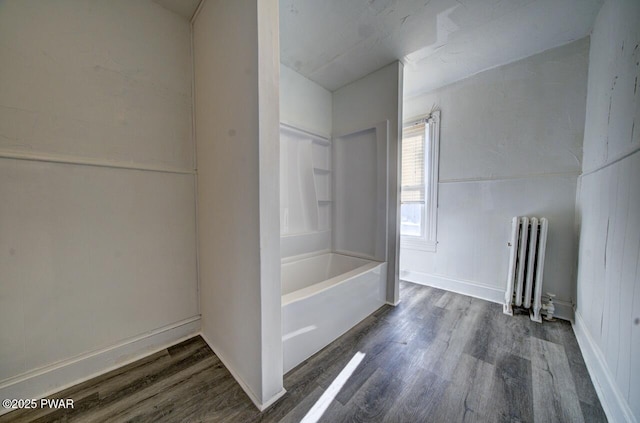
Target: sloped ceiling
{"points": [[334, 42]]}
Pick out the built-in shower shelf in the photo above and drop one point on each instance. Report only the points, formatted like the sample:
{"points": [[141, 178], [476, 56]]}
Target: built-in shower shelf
{"points": [[307, 180]]}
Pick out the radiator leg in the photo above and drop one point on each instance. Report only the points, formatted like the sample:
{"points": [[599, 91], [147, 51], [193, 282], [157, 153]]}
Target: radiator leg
{"points": [[534, 314], [508, 295]]}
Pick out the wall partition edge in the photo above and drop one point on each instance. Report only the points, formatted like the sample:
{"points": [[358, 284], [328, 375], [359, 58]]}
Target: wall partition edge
{"points": [[393, 294], [269, 201], [194, 161], [237, 136]]}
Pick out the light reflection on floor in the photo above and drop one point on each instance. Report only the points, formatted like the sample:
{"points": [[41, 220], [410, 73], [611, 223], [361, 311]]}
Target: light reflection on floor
{"points": [[318, 409]]}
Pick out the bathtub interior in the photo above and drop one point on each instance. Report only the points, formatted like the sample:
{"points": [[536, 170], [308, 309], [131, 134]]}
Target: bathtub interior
{"points": [[305, 272]]}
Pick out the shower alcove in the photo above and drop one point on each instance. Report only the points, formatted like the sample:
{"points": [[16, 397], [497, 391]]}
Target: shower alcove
{"points": [[333, 220]]}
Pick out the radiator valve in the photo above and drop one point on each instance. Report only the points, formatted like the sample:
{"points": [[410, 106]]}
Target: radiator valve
{"points": [[548, 308]]}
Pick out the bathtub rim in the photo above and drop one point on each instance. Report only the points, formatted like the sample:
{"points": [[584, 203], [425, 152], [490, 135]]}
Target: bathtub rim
{"points": [[322, 286]]}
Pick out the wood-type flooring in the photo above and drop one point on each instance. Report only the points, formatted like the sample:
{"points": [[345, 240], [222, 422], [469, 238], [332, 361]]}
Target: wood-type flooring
{"points": [[436, 357]]}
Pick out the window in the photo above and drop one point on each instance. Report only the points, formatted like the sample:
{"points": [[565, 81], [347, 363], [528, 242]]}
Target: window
{"points": [[419, 186]]}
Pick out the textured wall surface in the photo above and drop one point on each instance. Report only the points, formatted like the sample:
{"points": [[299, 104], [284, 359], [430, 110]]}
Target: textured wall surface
{"points": [[510, 144], [304, 104], [608, 306], [99, 249]]}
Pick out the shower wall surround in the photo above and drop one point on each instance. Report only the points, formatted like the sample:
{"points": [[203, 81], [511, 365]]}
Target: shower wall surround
{"points": [[363, 104], [305, 192], [305, 151]]}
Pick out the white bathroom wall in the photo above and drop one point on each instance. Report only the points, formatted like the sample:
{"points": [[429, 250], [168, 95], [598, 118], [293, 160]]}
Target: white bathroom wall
{"points": [[510, 144], [608, 206], [363, 104], [107, 81], [236, 57], [97, 196]]}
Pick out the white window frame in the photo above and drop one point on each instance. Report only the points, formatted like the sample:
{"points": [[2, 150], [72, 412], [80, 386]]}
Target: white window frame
{"points": [[428, 240]]}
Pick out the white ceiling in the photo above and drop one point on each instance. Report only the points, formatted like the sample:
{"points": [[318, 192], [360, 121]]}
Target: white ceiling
{"points": [[334, 42]]}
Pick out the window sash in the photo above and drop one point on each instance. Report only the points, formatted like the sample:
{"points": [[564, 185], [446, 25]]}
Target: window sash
{"points": [[429, 127], [413, 164]]}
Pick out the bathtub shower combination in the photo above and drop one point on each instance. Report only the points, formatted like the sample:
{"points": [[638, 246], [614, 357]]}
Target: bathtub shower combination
{"points": [[333, 216], [323, 296]]}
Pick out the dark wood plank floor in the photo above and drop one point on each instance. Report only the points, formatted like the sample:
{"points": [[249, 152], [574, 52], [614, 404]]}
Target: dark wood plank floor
{"points": [[437, 357]]}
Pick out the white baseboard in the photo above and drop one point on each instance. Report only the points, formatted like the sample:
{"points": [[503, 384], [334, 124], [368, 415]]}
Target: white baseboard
{"points": [[253, 397], [472, 289], [613, 402], [564, 309], [48, 380]]}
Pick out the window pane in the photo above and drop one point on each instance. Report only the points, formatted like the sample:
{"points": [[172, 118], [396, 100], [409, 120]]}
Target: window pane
{"points": [[411, 219], [413, 160]]}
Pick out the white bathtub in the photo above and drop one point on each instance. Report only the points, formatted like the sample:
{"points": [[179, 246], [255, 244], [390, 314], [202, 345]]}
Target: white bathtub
{"points": [[323, 297]]}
